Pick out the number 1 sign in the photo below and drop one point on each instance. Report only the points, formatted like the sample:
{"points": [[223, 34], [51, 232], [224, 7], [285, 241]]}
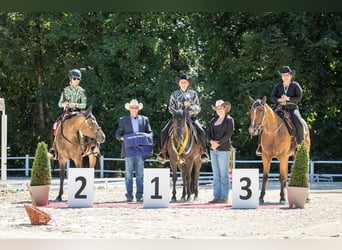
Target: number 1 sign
{"points": [[156, 188], [80, 187]]}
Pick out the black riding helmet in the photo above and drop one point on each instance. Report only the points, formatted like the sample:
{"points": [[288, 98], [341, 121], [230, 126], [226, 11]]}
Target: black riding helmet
{"points": [[75, 73]]}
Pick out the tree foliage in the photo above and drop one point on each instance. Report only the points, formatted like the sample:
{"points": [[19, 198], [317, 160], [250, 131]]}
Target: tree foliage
{"points": [[138, 55]]}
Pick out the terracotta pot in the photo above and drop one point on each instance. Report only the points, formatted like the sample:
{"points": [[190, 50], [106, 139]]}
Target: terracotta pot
{"points": [[40, 194], [297, 196]]}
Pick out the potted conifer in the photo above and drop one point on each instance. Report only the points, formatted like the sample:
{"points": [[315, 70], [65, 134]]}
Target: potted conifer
{"points": [[41, 175], [298, 187]]}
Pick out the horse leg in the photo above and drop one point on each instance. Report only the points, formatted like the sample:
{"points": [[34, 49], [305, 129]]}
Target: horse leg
{"points": [[283, 170], [61, 181], [194, 180], [174, 180], [266, 162]]}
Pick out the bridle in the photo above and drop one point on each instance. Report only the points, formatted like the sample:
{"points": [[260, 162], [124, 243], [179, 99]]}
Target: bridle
{"points": [[256, 106], [83, 124]]}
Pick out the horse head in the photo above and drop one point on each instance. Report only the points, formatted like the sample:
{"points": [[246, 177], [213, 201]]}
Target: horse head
{"points": [[257, 113], [92, 128], [179, 125]]}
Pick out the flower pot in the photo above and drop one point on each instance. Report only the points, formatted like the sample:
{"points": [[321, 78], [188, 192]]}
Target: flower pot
{"points": [[297, 196], [40, 194]]}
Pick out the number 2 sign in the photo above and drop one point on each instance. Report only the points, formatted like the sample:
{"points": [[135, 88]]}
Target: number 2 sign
{"points": [[245, 188], [80, 187]]}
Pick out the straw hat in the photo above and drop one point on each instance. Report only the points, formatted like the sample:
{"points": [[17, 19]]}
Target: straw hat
{"points": [[220, 103], [134, 102]]}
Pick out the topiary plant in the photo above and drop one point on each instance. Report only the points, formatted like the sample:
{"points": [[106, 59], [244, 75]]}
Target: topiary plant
{"points": [[41, 168], [300, 168]]}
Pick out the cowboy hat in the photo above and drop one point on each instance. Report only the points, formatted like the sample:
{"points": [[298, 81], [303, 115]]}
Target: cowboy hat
{"points": [[287, 70], [134, 102], [219, 103], [183, 77]]}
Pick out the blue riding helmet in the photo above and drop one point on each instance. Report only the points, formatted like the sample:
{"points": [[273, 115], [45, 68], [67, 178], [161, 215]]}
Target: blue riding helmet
{"points": [[75, 73]]}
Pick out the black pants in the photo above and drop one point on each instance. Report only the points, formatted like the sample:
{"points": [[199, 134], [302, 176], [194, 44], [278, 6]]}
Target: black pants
{"points": [[197, 125], [296, 118]]}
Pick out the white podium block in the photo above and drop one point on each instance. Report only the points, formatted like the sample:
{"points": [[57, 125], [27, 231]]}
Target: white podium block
{"points": [[156, 188], [245, 188], [80, 187]]}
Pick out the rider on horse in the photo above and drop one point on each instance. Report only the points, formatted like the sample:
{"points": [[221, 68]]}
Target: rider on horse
{"points": [[286, 95], [185, 99], [72, 99]]}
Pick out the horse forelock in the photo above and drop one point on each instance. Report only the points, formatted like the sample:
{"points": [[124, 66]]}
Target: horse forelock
{"points": [[257, 103]]}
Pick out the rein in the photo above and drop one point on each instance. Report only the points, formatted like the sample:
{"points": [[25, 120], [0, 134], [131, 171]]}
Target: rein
{"points": [[262, 124], [79, 136]]}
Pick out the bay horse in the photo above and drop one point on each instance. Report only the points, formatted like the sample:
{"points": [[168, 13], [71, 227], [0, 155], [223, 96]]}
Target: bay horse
{"points": [[71, 142], [184, 154], [275, 142]]}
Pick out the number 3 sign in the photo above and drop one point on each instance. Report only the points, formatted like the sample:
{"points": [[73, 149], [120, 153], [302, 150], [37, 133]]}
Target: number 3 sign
{"points": [[80, 187], [245, 188]]}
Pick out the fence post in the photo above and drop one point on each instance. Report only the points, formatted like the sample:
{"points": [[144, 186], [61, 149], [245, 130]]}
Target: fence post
{"points": [[312, 171], [101, 166], [27, 165]]}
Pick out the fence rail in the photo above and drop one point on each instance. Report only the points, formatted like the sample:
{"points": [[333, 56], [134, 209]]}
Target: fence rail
{"points": [[24, 164]]}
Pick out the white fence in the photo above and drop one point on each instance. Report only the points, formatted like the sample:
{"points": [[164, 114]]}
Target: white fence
{"points": [[24, 164]]}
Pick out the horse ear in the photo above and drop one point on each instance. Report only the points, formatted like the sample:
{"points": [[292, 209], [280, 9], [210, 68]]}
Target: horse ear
{"points": [[264, 99], [251, 99], [88, 111]]}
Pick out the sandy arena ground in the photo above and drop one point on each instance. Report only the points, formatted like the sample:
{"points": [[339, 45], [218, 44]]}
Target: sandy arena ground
{"points": [[320, 219]]}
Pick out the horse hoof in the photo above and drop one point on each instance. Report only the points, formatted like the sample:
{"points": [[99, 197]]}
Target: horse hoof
{"points": [[58, 199], [261, 201], [282, 202]]}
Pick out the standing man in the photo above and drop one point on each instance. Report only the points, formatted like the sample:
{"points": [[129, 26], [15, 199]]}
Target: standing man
{"points": [[135, 133]]}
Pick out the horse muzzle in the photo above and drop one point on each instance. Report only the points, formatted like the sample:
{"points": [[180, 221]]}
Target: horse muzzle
{"points": [[100, 136], [253, 131]]}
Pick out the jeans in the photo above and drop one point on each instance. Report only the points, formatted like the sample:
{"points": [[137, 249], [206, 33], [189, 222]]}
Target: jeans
{"points": [[135, 163], [219, 164]]}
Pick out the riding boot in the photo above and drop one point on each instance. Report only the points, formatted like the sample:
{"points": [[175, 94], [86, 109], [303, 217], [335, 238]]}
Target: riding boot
{"points": [[204, 155], [161, 158], [53, 152]]}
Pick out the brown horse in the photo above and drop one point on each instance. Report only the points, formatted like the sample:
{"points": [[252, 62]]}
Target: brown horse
{"points": [[275, 142], [71, 142], [184, 155]]}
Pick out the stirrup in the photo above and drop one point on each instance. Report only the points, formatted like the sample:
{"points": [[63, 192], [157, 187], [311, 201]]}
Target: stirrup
{"points": [[161, 158], [258, 152], [204, 158], [53, 155]]}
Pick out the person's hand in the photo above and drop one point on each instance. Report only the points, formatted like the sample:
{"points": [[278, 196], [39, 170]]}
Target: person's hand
{"points": [[187, 104], [72, 105], [214, 144]]}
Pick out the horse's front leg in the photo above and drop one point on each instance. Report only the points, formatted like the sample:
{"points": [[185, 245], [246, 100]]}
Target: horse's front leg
{"points": [[61, 181], [174, 181], [283, 170], [266, 162]]}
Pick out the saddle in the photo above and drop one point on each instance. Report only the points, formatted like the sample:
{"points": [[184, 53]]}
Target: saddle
{"points": [[286, 117]]}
